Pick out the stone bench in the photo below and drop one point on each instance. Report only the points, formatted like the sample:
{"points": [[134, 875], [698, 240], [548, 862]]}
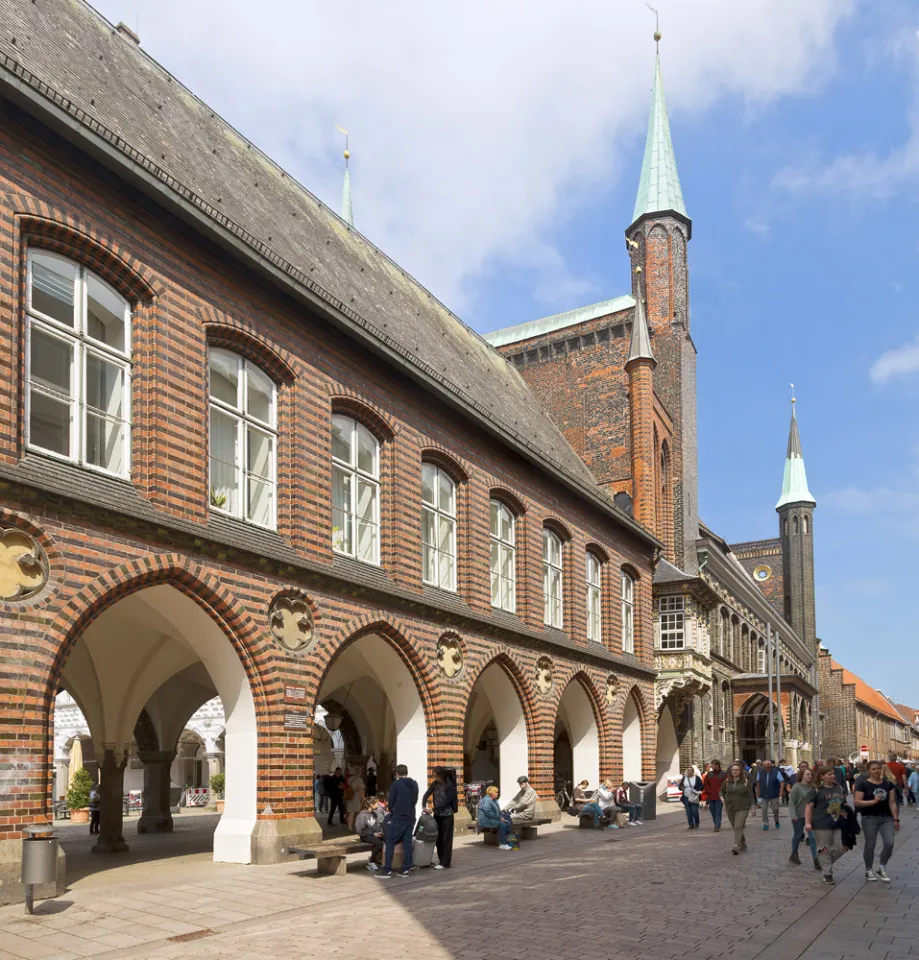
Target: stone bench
{"points": [[586, 822], [525, 830], [332, 856]]}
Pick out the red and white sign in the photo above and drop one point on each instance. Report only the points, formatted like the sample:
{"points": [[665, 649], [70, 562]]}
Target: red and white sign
{"points": [[864, 749], [197, 796]]}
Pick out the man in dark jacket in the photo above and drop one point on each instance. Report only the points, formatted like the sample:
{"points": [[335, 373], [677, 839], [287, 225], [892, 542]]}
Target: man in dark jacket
{"points": [[769, 782], [335, 790], [403, 798]]}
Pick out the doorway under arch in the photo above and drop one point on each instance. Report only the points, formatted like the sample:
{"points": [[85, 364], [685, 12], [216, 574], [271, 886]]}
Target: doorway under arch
{"points": [[576, 723], [631, 740], [668, 749], [157, 651], [494, 705]]}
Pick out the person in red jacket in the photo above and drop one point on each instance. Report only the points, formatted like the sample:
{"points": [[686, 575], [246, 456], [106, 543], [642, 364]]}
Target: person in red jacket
{"points": [[711, 792]]}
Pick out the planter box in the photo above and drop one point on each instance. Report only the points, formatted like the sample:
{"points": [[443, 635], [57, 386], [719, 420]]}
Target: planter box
{"points": [[219, 804], [80, 815]]}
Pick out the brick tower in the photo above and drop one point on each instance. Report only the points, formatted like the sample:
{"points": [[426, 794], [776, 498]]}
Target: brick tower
{"points": [[657, 240], [796, 531]]}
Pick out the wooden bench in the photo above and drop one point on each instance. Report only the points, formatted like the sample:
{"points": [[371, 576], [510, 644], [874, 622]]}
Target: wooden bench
{"points": [[332, 855], [525, 830], [619, 818]]}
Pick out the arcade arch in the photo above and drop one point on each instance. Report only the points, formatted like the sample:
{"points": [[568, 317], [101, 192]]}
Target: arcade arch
{"points": [[631, 739], [577, 737]]}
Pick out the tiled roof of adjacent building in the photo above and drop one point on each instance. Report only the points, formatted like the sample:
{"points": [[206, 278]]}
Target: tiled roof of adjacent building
{"points": [[63, 56], [867, 694], [558, 321]]}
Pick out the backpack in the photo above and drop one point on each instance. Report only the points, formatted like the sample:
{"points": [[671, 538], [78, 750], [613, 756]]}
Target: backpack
{"points": [[426, 830]]}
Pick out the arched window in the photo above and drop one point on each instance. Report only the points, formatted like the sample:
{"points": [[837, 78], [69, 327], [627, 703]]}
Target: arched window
{"points": [[243, 439], [794, 525], [728, 707], [628, 612], [594, 574], [552, 579], [355, 490], [438, 527], [805, 525], [78, 332], [503, 557], [761, 657]]}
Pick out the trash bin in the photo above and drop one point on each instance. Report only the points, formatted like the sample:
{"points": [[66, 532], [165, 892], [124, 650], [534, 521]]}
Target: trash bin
{"points": [[39, 858], [645, 793]]}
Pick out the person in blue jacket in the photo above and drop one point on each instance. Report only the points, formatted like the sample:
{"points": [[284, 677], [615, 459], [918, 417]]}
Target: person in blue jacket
{"points": [[490, 816], [403, 798]]}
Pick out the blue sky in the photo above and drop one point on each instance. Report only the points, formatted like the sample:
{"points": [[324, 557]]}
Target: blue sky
{"points": [[496, 156]]}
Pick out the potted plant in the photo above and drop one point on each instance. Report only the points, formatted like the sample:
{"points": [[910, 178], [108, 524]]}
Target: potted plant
{"points": [[78, 796], [217, 784]]}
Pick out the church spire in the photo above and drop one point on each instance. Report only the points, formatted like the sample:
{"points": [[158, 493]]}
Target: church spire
{"points": [[346, 212], [640, 346], [659, 186], [794, 483]]}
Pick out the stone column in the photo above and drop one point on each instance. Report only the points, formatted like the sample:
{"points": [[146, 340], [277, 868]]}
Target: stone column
{"points": [[214, 764], [111, 818], [156, 816]]}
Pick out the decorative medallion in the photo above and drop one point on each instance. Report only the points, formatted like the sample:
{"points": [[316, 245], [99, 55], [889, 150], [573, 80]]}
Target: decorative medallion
{"points": [[544, 679], [23, 569], [291, 623], [762, 572], [612, 686], [449, 656]]}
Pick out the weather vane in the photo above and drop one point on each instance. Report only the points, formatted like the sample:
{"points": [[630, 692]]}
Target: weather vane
{"points": [[345, 132], [657, 24], [792, 393]]}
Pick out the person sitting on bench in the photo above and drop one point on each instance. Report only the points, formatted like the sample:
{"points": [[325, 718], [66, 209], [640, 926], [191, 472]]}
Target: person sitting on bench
{"points": [[586, 804], [369, 827], [490, 816], [634, 810], [522, 806]]}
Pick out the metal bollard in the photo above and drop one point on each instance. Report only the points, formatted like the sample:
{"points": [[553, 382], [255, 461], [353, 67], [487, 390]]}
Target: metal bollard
{"points": [[39, 858]]}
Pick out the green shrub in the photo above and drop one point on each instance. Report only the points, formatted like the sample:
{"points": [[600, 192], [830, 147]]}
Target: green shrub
{"points": [[217, 783], [78, 794]]}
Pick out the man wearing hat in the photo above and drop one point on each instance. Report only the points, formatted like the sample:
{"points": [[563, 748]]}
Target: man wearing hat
{"points": [[523, 805]]}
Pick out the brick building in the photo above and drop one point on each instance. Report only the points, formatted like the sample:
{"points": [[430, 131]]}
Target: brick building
{"points": [[618, 377], [244, 454], [859, 720]]}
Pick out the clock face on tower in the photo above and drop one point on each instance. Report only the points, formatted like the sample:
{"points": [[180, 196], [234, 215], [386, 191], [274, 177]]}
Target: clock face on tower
{"points": [[762, 573]]}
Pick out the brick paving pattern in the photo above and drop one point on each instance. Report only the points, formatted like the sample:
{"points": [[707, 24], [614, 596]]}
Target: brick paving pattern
{"points": [[644, 894]]}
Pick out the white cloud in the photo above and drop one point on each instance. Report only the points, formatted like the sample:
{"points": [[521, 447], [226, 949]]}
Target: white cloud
{"points": [[476, 128], [896, 363]]}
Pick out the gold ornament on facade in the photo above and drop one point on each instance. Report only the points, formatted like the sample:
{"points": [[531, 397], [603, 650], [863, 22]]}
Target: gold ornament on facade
{"points": [[544, 680], [449, 656], [291, 623], [23, 571], [612, 686]]}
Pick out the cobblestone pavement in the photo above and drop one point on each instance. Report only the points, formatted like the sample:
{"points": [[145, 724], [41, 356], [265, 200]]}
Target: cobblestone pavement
{"points": [[657, 891]]}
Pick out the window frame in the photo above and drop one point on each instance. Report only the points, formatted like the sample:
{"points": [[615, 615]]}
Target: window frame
{"points": [[553, 600], [627, 610], [439, 514], [594, 596], [357, 476], [245, 423], [667, 607], [80, 344], [510, 546]]}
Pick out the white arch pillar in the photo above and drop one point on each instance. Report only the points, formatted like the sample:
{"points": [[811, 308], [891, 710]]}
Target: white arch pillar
{"points": [[513, 743], [578, 716], [631, 740]]}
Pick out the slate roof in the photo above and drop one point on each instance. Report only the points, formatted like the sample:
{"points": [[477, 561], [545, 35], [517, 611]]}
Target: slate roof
{"points": [[110, 87]]}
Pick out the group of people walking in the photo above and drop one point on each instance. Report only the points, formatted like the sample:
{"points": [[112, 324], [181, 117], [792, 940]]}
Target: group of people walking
{"points": [[818, 802]]}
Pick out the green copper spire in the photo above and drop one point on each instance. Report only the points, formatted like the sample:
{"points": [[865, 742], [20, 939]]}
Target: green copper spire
{"points": [[659, 187], [794, 484], [346, 212]]}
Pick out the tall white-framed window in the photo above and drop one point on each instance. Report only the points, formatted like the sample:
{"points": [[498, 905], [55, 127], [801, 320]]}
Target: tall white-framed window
{"points": [[243, 439], [503, 536], [552, 579], [672, 623], [627, 594], [78, 366], [438, 527], [594, 575], [728, 707], [761, 658], [355, 490]]}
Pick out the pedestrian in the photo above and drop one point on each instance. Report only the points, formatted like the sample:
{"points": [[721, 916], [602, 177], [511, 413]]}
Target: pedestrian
{"points": [[737, 794], [442, 795], [841, 777], [371, 780], [490, 816], [876, 800], [768, 787], [403, 798], [634, 810], [711, 792], [823, 815], [899, 773], [913, 782], [522, 806], [355, 794], [335, 789], [369, 827], [801, 794], [690, 795], [322, 799], [95, 808]]}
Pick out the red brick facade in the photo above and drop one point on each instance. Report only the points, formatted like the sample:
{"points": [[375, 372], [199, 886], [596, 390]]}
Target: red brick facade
{"points": [[105, 538]]}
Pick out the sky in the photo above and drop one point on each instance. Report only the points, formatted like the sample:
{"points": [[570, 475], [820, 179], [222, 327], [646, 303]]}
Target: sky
{"points": [[496, 148]]}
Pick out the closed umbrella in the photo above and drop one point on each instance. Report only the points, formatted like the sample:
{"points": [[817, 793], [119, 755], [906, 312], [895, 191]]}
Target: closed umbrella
{"points": [[76, 759]]}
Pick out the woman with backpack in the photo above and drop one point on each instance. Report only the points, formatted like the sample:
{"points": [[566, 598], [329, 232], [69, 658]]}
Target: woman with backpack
{"points": [[690, 795], [442, 794]]}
